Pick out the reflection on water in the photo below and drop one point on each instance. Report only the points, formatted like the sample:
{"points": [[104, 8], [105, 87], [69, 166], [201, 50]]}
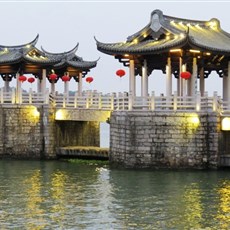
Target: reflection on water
{"points": [[61, 195], [223, 212]]}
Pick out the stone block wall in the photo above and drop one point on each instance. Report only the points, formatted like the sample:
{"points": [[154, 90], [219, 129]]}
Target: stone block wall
{"points": [[20, 132], [151, 139], [29, 132]]}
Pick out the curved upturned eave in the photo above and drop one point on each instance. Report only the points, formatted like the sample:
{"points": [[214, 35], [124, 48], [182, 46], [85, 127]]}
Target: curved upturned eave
{"points": [[214, 45], [69, 54], [141, 48], [32, 43], [82, 65], [11, 58]]}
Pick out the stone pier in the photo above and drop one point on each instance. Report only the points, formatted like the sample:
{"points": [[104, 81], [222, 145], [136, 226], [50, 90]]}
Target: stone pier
{"points": [[165, 139], [31, 132]]}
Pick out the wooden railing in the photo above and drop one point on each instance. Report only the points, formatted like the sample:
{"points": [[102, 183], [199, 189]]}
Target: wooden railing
{"points": [[119, 101]]}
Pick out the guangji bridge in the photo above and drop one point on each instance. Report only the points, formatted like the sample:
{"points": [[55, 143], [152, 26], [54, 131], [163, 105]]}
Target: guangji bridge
{"points": [[182, 128]]}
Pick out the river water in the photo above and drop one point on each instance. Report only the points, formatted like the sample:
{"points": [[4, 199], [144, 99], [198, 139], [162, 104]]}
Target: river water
{"points": [[63, 195]]}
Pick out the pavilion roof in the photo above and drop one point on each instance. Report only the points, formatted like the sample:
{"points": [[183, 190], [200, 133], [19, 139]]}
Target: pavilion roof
{"points": [[70, 59], [164, 32], [28, 53]]}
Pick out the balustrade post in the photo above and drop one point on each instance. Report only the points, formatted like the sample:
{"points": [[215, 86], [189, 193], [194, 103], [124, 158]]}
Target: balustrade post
{"points": [[153, 101], [112, 102], [130, 102], [198, 100], [13, 96], [64, 100], [87, 101], [2, 96], [214, 105], [99, 102], [75, 100], [46, 96], [175, 101]]}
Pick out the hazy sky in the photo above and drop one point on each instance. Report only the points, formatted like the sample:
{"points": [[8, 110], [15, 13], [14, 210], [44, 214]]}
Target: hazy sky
{"points": [[63, 24]]}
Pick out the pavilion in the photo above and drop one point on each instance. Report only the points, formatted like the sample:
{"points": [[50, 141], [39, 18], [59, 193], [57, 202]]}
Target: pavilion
{"points": [[27, 59], [175, 46]]}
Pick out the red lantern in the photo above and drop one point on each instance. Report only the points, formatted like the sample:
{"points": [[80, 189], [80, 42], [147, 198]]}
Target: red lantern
{"points": [[31, 80], [65, 78], [120, 72], [22, 78], [185, 75], [89, 79], [53, 76]]}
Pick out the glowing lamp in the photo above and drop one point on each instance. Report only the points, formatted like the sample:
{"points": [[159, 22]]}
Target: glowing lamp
{"points": [[53, 76], [185, 75], [120, 73], [89, 79], [65, 78], [31, 80], [22, 78], [225, 124]]}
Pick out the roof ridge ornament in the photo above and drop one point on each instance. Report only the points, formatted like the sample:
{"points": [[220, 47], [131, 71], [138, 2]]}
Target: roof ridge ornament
{"points": [[156, 17]]}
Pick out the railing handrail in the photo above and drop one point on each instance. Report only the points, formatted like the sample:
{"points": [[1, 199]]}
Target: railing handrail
{"points": [[118, 101]]}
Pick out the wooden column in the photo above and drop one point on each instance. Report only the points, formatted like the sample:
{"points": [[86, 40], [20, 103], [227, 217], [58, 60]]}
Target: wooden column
{"points": [[66, 86], [194, 78], [18, 89], [52, 85], [168, 78], [144, 80], [183, 81], [226, 86], [132, 82], [43, 82], [7, 84], [179, 80], [80, 84], [202, 82]]}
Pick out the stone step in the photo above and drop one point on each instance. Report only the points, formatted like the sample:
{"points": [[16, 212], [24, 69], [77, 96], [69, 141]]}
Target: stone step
{"points": [[91, 152], [225, 160]]}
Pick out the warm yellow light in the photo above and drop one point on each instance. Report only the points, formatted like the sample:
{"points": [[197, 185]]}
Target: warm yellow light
{"points": [[36, 113], [188, 25], [6, 50], [172, 22], [181, 23], [126, 55], [167, 37], [194, 120], [194, 51], [144, 35], [225, 124], [60, 114], [208, 54], [135, 41], [212, 24], [175, 50], [182, 35], [27, 46]]}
